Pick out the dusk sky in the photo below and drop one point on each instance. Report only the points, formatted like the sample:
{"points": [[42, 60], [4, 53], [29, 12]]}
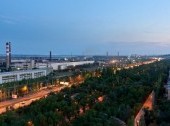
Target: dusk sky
{"points": [[86, 27]]}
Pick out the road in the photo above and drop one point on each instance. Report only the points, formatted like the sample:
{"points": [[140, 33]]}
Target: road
{"points": [[149, 103], [27, 99]]}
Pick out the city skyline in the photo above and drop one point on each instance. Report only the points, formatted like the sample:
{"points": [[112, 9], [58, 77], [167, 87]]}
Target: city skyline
{"points": [[85, 27]]}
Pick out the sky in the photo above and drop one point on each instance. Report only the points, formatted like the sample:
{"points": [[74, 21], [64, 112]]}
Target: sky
{"points": [[88, 27]]}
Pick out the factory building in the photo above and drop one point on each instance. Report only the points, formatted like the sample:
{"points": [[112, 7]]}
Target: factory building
{"points": [[6, 77], [63, 65], [23, 64]]}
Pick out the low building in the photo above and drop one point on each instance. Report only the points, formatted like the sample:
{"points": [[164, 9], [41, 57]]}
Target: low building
{"points": [[62, 65], [6, 77], [65, 65], [22, 64]]}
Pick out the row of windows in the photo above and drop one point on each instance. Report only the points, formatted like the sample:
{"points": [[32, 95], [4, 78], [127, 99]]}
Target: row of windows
{"points": [[6, 79], [38, 74], [26, 76], [11, 78]]}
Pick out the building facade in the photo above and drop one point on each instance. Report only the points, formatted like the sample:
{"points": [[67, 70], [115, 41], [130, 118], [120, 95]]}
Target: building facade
{"points": [[63, 65], [6, 77], [23, 64]]}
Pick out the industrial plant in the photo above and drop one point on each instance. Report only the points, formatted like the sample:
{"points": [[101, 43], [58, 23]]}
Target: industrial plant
{"points": [[16, 68]]}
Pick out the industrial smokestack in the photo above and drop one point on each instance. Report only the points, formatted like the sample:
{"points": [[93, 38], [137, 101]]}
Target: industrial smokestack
{"points": [[8, 55], [49, 60], [50, 56]]}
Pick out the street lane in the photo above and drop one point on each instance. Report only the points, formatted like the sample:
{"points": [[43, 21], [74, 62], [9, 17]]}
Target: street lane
{"points": [[27, 99]]}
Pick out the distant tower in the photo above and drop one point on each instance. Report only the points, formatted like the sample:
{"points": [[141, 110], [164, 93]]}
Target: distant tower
{"points": [[50, 59], [107, 54], [50, 56], [8, 55], [118, 54]]}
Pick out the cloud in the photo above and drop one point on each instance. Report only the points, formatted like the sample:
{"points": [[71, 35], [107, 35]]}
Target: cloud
{"points": [[8, 20], [16, 19]]}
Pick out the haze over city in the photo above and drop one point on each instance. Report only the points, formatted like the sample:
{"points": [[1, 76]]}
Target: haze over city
{"points": [[89, 27]]}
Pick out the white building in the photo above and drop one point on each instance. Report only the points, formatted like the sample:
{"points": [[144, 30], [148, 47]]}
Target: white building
{"points": [[63, 65], [22, 64], [23, 74]]}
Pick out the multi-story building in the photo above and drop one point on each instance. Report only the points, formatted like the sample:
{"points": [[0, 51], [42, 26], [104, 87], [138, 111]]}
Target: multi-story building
{"points": [[6, 77]]}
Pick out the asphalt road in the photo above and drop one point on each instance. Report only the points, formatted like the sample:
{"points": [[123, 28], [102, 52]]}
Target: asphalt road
{"points": [[27, 99]]}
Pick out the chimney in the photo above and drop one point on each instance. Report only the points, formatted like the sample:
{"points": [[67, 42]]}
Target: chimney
{"points": [[8, 55], [50, 56]]}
